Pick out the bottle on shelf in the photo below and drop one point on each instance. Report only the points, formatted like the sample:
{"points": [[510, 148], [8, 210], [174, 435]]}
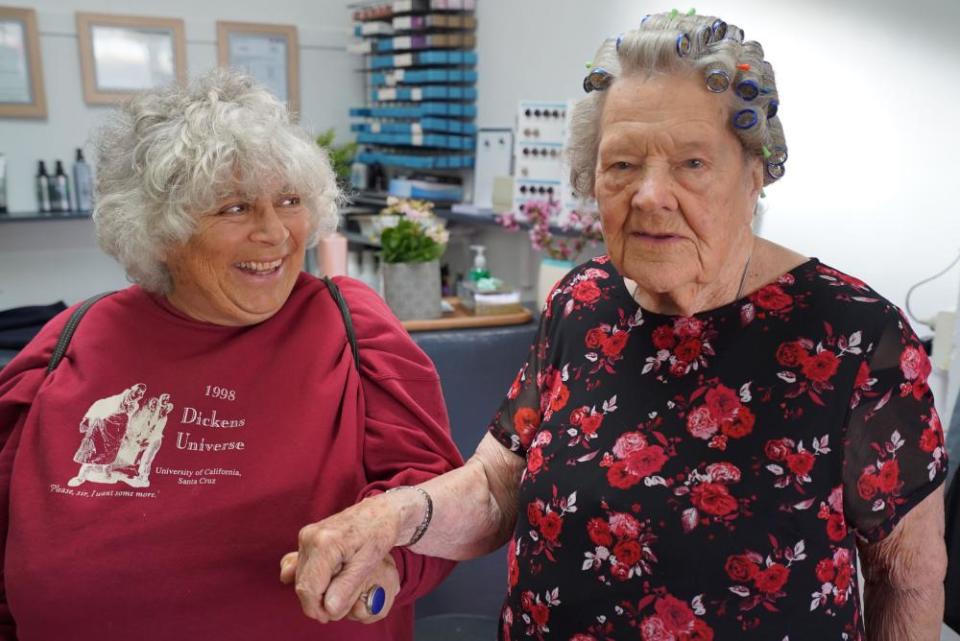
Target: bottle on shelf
{"points": [[332, 255], [82, 184], [59, 190], [42, 181]]}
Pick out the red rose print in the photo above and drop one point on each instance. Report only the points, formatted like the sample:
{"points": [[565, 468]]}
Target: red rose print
{"points": [[627, 552], [663, 337], [688, 326], [534, 460], [526, 600], [620, 571], [647, 461], [777, 449], [595, 338], [889, 476], [615, 344], [560, 397], [844, 577], [583, 637], [914, 364], [867, 486], [772, 579], [740, 425], [624, 525], [773, 298], [825, 571], [513, 568], [675, 614], [723, 472], [800, 463], [822, 367], [701, 423], [713, 498], [791, 354], [534, 513], [586, 292], [678, 368], [591, 423], [689, 350], [701, 632], [526, 420], [836, 527], [599, 532], [740, 568], [550, 525], [619, 477], [577, 415], [629, 443], [540, 614], [723, 402], [930, 440], [653, 629]]}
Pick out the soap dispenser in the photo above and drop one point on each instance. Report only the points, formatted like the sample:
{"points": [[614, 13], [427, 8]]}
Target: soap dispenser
{"points": [[479, 264]]}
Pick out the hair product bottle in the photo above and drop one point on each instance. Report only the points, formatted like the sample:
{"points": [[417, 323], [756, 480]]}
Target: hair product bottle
{"points": [[82, 184], [43, 188], [59, 190]]}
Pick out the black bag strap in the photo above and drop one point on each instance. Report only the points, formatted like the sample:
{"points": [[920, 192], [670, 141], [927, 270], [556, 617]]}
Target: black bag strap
{"points": [[347, 319], [69, 329]]}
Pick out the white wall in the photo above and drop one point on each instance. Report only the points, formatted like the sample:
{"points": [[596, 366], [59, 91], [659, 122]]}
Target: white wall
{"points": [[868, 89], [328, 85]]}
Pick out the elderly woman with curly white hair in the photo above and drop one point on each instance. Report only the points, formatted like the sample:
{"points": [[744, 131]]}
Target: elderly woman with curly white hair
{"points": [[200, 418], [709, 426]]}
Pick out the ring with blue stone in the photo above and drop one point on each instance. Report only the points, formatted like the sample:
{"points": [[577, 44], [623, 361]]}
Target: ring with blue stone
{"points": [[374, 599]]}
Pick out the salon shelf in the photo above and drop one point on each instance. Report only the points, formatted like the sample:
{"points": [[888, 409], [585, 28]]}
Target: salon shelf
{"points": [[39, 216], [372, 202]]}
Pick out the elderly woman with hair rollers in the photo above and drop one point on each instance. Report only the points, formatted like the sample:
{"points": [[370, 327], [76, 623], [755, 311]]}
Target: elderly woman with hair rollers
{"points": [[709, 426], [200, 418]]}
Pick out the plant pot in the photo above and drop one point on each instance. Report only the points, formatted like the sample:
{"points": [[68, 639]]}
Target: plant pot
{"points": [[412, 290]]}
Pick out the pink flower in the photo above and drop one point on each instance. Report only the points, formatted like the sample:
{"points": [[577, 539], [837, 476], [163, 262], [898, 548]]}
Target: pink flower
{"points": [[676, 615], [629, 443], [654, 629], [723, 403], [624, 525], [723, 472], [646, 461], [914, 364], [688, 326], [701, 423]]}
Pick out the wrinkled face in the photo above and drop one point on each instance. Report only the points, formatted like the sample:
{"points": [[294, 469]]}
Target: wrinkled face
{"points": [[675, 189], [242, 262]]}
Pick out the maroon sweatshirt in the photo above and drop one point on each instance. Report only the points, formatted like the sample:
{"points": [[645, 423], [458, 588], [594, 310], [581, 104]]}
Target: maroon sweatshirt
{"points": [[150, 485]]}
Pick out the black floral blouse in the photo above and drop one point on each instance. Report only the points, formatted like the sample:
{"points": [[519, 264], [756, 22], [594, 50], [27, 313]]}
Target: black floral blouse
{"points": [[706, 477]]}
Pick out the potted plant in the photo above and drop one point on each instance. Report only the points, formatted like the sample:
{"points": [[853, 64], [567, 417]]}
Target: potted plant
{"points": [[341, 156], [412, 240]]}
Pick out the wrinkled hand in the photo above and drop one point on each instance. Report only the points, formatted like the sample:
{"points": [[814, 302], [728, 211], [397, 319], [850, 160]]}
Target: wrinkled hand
{"points": [[340, 557]]}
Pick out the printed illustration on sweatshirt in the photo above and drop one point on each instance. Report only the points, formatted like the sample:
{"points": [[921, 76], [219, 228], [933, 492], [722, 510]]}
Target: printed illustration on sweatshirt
{"points": [[121, 436]]}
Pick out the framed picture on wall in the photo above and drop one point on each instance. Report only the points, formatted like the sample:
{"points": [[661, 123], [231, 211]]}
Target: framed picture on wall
{"points": [[21, 71], [268, 52], [121, 55]]}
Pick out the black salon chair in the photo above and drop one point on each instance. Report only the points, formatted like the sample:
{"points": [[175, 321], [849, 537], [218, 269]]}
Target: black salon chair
{"points": [[476, 369]]}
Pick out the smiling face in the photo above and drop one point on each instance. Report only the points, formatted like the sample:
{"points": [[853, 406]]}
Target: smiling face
{"points": [[675, 189], [242, 262]]}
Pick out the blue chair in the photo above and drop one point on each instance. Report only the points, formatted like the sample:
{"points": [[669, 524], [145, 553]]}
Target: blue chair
{"points": [[476, 369]]}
